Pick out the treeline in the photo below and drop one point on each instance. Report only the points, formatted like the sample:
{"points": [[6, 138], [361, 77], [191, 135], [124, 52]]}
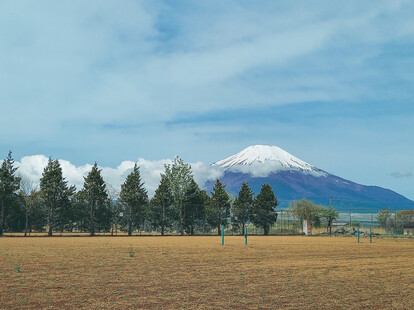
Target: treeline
{"points": [[395, 222], [178, 204]]}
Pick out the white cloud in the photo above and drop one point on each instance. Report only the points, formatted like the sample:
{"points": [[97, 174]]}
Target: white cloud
{"points": [[257, 169], [401, 174], [31, 169]]}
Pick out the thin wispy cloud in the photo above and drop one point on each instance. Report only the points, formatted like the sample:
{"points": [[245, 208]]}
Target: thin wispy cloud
{"points": [[402, 174]]}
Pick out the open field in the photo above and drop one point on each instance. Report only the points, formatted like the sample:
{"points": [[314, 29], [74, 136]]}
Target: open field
{"points": [[273, 272]]}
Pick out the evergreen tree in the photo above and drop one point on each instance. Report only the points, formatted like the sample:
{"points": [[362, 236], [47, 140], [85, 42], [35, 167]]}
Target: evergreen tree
{"points": [[135, 198], [202, 223], [97, 199], [64, 211], [242, 206], [263, 212], [161, 211], [194, 207], [80, 209], [179, 176], [55, 194], [9, 185], [218, 210]]}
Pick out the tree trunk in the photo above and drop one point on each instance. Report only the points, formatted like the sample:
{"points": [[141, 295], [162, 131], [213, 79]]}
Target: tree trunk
{"points": [[219, 230], [2, 219], [182, 218], [266, 231], [92, 221], [163, 220], [242, 229], [50, 221], [130, 222], [27, 224]]}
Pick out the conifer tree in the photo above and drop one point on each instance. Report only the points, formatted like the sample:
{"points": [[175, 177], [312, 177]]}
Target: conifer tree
{"points": [[80, 211], [194, 207], [9, 185], [161, 211], [218, 209], [264, 208], [97, 199], [54, 192], [242, 206], [180, 176], [135, 199]]}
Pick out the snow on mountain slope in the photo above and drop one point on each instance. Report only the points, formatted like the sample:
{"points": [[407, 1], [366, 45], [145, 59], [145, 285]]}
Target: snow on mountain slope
{"points": [[293, 179], [261, 160]]}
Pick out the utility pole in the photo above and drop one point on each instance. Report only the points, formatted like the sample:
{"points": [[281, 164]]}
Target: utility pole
{"points": [[372, 220]]}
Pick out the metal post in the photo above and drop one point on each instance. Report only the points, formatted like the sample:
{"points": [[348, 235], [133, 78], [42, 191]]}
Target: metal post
{"points": [[358, 234], [222, 234], [370, 235], [281, 221], [245, 235]]}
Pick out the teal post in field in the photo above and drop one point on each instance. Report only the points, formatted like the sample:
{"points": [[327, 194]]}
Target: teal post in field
{"points": [[245, 235], [358, 234], [370, 235], [222, 234]]}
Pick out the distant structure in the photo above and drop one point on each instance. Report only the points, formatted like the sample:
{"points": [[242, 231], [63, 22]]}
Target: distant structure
{"points": [[408, 228]]}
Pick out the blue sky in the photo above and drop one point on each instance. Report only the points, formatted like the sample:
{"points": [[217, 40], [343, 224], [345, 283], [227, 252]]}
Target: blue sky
{"points": [[329, 81]]}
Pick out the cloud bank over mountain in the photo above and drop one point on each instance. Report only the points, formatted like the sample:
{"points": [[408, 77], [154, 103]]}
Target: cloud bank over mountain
{"points": [[31, 168]]}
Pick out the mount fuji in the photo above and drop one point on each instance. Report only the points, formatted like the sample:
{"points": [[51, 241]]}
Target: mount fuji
{"points": [[293, 179]]}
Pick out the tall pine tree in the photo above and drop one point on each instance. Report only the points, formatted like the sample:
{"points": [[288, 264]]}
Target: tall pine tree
{"points": [[135, 198], [218, 210], [264, 208], [194, 207], [161, 206], [242, 206], [55, 193], [9, 185], [95, 194]]}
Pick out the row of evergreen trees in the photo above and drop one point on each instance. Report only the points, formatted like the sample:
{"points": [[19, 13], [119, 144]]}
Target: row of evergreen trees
{"points": [[178, 204]]}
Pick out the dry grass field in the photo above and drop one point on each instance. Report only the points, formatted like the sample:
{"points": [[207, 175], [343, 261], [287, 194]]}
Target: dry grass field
{"points": [[289, 272]]}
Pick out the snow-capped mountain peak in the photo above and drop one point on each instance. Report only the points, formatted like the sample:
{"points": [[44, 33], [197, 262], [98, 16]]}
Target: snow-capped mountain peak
{"points": [[261, 160]]}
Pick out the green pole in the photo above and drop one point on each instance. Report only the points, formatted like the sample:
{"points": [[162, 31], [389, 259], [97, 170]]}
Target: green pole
{"points": [[222, 234], [370, 235], [245, 235], [358, 234]]}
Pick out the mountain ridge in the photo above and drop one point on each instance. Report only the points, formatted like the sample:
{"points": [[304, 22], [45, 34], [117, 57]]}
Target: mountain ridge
{"points": [[293, 179]]}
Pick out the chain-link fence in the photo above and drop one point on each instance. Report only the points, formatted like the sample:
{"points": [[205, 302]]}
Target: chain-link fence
{"points": [[386, 222]]}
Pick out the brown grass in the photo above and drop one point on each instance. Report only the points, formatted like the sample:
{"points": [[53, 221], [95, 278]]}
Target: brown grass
{"points": [[198, 273]]}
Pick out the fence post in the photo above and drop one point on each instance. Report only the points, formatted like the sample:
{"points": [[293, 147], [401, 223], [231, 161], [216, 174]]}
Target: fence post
{"points": [[245, 235], [222, 234], [370, 236], [358, 234]]}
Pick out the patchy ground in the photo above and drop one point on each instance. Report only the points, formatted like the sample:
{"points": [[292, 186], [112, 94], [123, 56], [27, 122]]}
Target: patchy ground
{"points": [[286, 272]]}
